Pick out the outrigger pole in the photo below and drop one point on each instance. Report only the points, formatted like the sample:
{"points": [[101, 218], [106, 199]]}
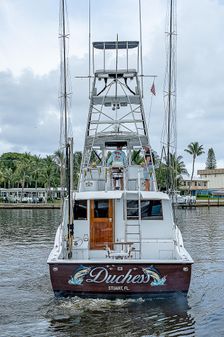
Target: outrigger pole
{"points": [[170, 84], [68, 141], [89, 48], [140, 38], [169, 132]]}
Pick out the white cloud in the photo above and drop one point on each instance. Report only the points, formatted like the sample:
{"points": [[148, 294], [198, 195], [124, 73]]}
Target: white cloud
{"points": [[28, 98]]}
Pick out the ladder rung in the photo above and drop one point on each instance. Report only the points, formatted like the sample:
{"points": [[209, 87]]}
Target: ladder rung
{"points": [[132, 225]]}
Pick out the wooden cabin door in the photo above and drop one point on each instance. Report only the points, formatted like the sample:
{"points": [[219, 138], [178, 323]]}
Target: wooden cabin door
{"points": [[101, 223]]}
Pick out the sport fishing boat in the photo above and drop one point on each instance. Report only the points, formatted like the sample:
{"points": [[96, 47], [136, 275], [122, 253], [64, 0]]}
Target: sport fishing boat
{"points": [[117, 237]]}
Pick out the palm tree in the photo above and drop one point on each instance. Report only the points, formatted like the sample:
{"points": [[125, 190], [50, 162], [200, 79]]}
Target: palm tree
{"points": [[50, 175], [195, 150], [23, 172], [77, 159], [137, 158], [8, 176], [176, 170], [58, 157], [37, 173], [1, 176], [178, 164]]}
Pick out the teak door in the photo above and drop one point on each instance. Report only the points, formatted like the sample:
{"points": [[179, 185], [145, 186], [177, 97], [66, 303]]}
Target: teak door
{"points": [[101, 223]]}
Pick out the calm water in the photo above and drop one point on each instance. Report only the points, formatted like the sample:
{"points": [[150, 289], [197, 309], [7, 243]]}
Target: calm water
{"points": [[28, 307]]}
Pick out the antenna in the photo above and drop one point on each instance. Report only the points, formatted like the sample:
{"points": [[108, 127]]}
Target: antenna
{"points": [[63, 36], [140, 35], [89, 46], [116, 65], [169, 128], [68, 141]]}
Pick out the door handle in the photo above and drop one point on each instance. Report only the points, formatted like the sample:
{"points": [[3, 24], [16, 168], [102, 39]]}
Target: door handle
{"points": [[110, 219]]}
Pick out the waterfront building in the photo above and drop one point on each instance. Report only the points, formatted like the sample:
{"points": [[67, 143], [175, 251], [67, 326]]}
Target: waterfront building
{"points": [[215, 177], [197, 185], [29, 194]]}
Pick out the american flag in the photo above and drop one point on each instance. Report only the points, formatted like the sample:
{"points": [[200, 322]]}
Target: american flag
{"points": [[153, 90]]}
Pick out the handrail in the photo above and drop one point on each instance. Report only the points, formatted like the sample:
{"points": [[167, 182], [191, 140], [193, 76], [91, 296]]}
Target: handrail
{"points": [[92, 175]]}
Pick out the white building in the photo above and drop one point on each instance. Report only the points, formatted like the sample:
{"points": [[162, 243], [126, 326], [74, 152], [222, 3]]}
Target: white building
{"points": [[215, 177]]}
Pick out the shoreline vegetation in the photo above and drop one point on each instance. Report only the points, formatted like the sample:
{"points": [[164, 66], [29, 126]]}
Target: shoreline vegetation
{"points": [[24, 170]]}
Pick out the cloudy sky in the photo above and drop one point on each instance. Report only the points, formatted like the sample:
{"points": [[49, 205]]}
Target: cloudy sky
{"points": [[29, 69]]}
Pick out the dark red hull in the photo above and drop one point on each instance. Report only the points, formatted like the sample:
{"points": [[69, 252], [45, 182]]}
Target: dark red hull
{"points": [[118, 279]]}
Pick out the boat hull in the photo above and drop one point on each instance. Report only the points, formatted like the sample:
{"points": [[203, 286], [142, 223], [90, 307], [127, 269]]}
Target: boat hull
{"points": [[114, 279]]}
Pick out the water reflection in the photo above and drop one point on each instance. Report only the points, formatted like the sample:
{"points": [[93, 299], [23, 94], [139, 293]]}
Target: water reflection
{"points": [[25, 226], [152, 317]]}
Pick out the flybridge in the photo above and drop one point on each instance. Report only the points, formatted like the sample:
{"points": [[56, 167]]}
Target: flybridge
{"points": [[113, 47], [116, 110]]}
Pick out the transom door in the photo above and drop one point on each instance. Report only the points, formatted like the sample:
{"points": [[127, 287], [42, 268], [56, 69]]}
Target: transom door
{"points": [[101, 223]]}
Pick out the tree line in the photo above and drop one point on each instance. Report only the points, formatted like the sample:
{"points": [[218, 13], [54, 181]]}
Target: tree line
{"points": [[27, 170]]}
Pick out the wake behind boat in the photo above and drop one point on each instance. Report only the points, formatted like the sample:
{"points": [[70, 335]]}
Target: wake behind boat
{"points": [[117, 236]]}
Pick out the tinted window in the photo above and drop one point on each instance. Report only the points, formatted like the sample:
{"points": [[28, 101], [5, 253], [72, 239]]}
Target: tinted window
{"points": [[80, 210], [101, 208], [151, 209], [132, 209]]}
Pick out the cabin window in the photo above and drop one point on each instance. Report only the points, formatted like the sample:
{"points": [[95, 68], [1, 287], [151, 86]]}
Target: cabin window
{"points": [[101, 208], [80, 210], [150, 209], [132, 209]]}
